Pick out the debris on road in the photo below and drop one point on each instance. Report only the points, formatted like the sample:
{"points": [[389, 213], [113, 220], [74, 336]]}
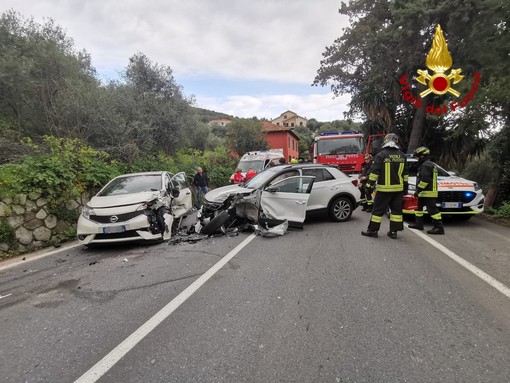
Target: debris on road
{"points": [[238, 214], [274, 231]]}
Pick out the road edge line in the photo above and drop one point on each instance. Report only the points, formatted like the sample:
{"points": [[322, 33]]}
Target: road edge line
{"points": [[29, 257], [501, 287], [114, 356]]}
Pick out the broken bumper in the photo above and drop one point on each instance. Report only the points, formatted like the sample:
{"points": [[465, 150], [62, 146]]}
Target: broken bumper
{"points": [[136, 229]]}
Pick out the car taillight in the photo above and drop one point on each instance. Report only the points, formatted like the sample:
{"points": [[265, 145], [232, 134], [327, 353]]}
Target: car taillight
{"points": [[355, 182]]}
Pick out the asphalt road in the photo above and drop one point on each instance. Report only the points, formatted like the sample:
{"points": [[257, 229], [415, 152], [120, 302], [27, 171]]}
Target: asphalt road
{"points": [[319, 305]]}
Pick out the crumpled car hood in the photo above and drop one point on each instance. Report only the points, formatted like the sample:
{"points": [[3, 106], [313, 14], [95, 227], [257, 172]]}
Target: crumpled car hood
{"points": [[221, 194], [122, 199]]}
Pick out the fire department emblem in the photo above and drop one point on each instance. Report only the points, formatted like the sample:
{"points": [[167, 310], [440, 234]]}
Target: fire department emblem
{"points": [[439, 61]]}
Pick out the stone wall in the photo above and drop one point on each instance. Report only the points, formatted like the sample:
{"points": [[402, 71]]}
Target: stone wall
{"points": [[34, 225]]}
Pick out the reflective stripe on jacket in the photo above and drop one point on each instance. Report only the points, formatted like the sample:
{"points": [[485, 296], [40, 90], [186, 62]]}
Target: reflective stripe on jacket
{"points": [[426, 180], [389, 170]]}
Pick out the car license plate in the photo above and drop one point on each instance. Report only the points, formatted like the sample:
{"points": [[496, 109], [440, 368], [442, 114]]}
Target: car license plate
{"points": [[114, 229], [452, 205]]}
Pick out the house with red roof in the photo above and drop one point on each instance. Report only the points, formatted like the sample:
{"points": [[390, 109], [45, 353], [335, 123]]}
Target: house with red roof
{"points": [[282, 137]]}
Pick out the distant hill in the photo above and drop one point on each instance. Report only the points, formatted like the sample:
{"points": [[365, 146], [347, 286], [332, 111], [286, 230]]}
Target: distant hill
{"points": [[205, 115]]}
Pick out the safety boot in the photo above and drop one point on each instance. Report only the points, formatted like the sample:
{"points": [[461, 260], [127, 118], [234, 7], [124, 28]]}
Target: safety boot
{"points": [[363, 207], [437, 229], [369, 233], [392, 234], [369, 209], [418, 224]]}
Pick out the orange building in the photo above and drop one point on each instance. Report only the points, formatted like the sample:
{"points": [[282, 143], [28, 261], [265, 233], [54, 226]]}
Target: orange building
{"points": [[282, 137]]}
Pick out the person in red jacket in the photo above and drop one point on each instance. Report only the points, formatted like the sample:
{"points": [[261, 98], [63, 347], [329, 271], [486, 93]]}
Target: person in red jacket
{"points": [[238, 177], [250, 174]]}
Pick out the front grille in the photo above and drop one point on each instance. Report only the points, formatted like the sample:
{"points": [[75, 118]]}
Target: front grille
{"points": [[455, 196], [124, 235], [121, 217]]}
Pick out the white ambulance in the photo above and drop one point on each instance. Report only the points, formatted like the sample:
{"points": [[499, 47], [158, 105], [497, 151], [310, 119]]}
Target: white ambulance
{"points": [[258, 160]]}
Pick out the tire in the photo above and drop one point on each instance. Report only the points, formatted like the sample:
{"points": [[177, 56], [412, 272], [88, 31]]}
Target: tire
{"points": [[214, 224], [340, 210]]}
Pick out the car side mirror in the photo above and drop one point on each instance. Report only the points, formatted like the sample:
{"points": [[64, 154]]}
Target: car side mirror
{"points": [[272, 189], [175, 192]]}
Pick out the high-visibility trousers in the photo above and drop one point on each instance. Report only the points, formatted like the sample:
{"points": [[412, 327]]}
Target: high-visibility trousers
{"points": [[430, 203], [382, 201]]}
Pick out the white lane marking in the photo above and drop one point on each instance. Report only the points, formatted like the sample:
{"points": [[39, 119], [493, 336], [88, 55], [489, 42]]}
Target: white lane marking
{"points": [[7, 264], [101, 367], [475, 270], [5, 296]]}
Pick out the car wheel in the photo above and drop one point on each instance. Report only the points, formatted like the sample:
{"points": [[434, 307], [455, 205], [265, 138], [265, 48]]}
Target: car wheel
{"points": [[340, 209], [214, 224]]}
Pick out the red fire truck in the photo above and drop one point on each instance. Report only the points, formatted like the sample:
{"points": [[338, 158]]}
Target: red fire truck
{"points": [[345, 149]]}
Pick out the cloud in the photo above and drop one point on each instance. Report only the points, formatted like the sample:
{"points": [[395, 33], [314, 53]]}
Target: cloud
{"points": [[322, 107], [264, 39], [222, 48]]}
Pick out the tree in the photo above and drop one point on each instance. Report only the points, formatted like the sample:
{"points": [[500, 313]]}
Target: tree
{"points": [[244, 135], [388, 39], [46, 83], [162, 114]]}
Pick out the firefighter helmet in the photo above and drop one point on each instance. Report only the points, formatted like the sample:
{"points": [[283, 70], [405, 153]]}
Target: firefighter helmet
{"points": [[390, 139], [421, 151]]}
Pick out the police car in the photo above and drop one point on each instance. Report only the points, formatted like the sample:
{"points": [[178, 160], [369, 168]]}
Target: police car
{"points": [[456, 196]]}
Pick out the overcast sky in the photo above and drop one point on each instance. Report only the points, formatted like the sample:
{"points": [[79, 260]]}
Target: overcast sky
{"points": [[242, 57]]}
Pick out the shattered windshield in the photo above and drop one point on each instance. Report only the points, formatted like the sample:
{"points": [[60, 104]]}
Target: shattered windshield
{"points": [[261, 179], [132, 184]]}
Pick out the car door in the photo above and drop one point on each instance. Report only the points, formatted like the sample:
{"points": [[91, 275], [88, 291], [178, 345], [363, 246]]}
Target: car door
{"points": [[183, 202], [324, 187], [287, 198]]}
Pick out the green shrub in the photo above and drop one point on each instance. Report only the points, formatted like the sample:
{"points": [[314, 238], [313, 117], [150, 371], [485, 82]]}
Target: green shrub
{"points": [[60, 211], [66, 235], [503, 211], [8, 180], [61, 169], [7, 234]]}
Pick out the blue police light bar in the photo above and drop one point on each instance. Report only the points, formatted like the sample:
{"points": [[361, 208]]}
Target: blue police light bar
{"points": [[329, 134], [351, 132]]}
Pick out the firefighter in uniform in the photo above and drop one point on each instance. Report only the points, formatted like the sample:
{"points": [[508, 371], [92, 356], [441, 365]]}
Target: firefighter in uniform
{"points": [[366, 194], [391, 174], [426, 191]]}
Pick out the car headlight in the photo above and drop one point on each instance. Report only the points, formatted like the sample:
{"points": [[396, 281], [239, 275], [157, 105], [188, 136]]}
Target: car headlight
{"points": [[87, 211], [142, 206], [146, 205], [477, 187]]}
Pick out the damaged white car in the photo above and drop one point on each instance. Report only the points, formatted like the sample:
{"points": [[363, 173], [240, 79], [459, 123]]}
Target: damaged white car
{"points": [[282, 193], [133, 207]]}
